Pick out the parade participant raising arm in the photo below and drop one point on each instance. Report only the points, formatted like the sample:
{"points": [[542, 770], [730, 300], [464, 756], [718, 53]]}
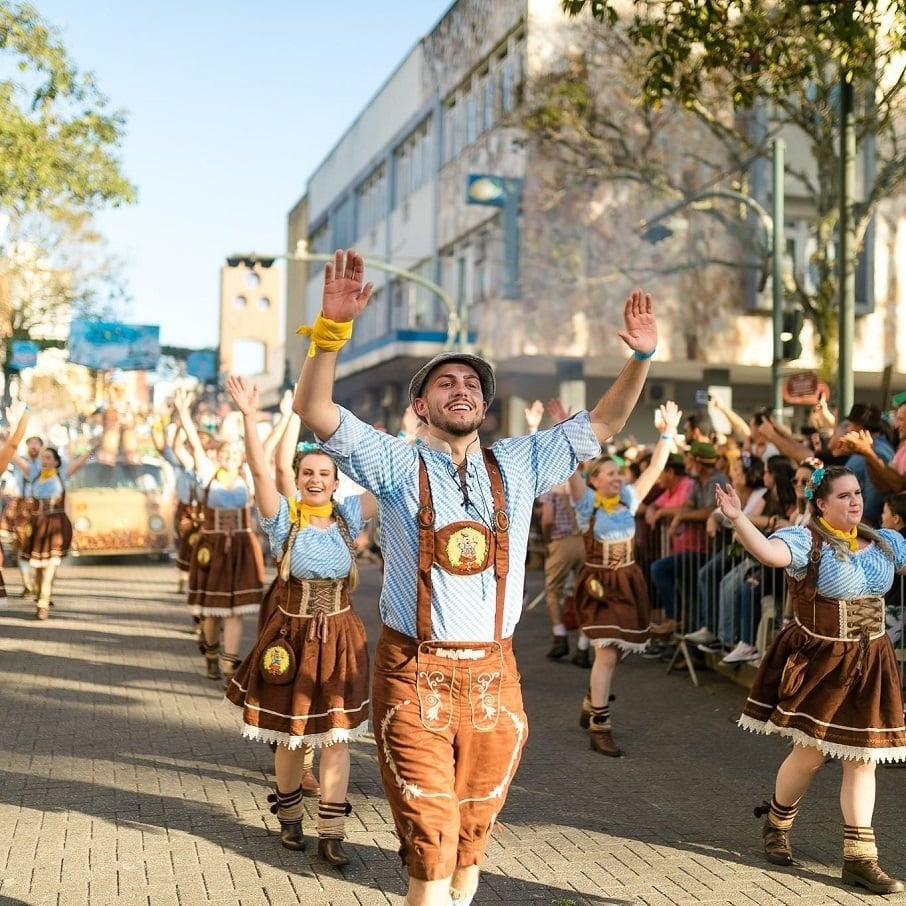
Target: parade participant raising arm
{"points": [[829, 681], [455, 520], [17, 414], [612, 602], [324, 702]]}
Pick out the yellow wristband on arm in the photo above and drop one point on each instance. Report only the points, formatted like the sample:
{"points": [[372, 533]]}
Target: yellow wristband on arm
{"points": [[326, 334]]}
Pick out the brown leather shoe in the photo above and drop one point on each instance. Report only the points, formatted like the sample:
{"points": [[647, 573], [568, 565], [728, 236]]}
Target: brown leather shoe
{"points": [[777, 845], [585, 713], [602, 743], [868, 874], [668, 627], [291, 835], [310, 785], [559, 647], [331, 850]]}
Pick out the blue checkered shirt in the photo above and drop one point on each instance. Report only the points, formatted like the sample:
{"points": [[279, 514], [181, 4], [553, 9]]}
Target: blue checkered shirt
{"points": [[462, 607]]}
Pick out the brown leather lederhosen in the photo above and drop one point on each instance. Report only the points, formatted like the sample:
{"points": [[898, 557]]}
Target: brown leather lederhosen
{"points": [[448, 715]]}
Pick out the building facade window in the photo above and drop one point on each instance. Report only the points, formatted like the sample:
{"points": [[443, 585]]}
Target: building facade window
{"points": [[413, 161], [319, 241], [371, 200], [372, 322], [344, 224], [452, 135], [482, 100]]}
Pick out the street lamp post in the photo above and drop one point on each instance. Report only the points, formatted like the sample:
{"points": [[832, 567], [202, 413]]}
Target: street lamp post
{"points": [[454, 339]]}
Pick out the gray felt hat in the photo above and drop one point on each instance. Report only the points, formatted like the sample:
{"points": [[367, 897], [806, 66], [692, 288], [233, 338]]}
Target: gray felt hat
{"points": [[482, 369]]}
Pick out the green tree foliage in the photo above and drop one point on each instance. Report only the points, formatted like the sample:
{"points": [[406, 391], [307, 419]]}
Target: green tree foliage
{"points": [[58, 140], [761, 48], [750, 71], [56, 268]]}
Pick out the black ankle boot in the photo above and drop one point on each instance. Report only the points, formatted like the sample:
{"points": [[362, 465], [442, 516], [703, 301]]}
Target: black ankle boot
{"points": [[559, 648], [291, 835], [331, 850], [290, 827], [211, 658]]}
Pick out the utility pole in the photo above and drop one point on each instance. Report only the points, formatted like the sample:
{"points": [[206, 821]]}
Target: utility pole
{"points": [[777, 252], [846, 239]]}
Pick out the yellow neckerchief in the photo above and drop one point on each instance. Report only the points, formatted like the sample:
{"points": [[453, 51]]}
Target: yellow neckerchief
{"points": [[225, 476], [45, 474], [301, 513], [849, 536], [608, 504]]}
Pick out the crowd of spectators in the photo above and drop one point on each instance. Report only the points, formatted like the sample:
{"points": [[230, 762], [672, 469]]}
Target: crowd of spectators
{"points": [[705, 591]]}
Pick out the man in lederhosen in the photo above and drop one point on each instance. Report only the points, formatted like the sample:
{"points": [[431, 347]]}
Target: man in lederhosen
{"points": [[448, 715]]}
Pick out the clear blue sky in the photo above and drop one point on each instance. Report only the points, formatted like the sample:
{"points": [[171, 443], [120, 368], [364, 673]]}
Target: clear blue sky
{"points": [[231, 106]]}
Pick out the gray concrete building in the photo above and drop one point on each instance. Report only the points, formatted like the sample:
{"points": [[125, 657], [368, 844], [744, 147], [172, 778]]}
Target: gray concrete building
{"points": [[524, 252]]}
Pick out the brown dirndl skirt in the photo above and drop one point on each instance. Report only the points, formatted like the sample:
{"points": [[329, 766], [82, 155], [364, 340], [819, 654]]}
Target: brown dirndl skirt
{"points": [[49, 540], [15, 524], [328, 700], [830, 694], [226, 574], [187, 522], [612, 606]]}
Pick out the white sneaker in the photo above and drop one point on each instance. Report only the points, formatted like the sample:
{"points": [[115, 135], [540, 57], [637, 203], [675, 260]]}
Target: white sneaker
{"points": [[702, 636], [741, 653]]}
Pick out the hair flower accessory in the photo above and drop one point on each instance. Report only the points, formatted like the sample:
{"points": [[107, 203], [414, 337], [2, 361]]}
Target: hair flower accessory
{"points": [[813, 482]]}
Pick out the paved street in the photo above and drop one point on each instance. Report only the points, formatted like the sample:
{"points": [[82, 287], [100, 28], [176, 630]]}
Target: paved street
{"points": [[125, 779]]}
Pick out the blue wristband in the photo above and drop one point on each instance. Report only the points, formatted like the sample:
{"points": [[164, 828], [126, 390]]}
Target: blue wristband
{"points": [[643, 356]]}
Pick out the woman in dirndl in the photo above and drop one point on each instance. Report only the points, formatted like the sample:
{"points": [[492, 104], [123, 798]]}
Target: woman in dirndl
{"points": [[226, 571], [612, 604], [306, 679], [17, 413], [49, 535], [829, 681]]}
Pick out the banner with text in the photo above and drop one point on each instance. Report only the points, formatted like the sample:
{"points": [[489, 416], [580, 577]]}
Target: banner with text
{"points": [[104, 345]]}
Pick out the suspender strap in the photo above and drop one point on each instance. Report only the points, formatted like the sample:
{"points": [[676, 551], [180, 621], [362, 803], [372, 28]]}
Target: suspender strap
{"points": [[426, 518], [501, 528]]}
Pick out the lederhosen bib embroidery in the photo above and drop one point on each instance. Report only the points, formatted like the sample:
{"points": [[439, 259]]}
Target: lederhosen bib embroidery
{"points": [[462, 548]]}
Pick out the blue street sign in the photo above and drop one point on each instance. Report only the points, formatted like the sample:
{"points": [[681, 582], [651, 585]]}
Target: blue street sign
{"points": [[22, 354]]}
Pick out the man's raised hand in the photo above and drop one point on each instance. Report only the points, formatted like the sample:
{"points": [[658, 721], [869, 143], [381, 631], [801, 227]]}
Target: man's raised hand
{"points": [[640, 332], [344, 296]]}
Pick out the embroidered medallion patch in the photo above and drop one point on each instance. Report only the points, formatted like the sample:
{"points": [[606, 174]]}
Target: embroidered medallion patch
{"points": [[467, 550]]}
